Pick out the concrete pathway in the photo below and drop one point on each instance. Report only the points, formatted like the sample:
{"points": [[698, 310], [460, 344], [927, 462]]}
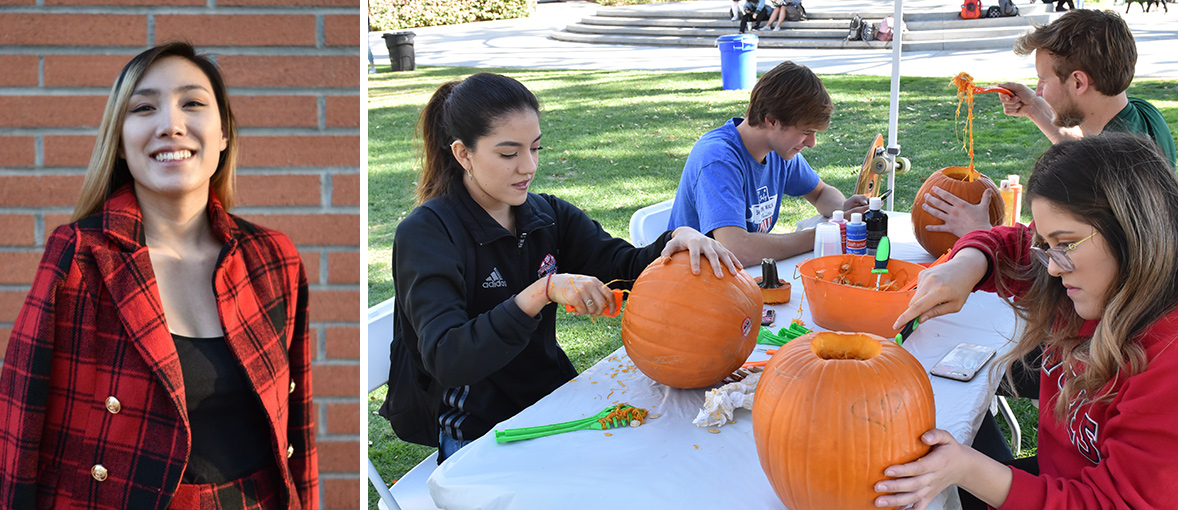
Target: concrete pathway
{"points": [[524, 43]]}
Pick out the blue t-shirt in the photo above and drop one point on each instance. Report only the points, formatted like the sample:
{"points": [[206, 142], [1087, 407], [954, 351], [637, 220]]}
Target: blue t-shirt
{"points": [[723, 186]]}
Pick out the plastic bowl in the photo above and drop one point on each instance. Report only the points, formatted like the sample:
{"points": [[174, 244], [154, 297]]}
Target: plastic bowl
{"points": [[839, 307]]}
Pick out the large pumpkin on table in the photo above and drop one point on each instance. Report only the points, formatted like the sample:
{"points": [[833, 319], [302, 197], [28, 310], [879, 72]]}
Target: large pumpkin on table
{"points": [[832, 410], [689, 331], [967, 184]]}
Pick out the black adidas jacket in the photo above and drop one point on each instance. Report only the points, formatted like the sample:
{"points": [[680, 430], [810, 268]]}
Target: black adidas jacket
{"points": [[456, 272]]}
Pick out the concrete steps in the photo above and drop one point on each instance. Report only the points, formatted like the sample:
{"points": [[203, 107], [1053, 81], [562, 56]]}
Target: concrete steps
{"points": [[924, 31]]}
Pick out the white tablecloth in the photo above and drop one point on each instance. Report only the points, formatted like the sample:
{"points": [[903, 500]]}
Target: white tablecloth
{"points": [[670, 463]]}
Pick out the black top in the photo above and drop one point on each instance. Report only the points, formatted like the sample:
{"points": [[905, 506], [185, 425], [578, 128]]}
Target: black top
{"points": [[229, 429], [456, 272]]}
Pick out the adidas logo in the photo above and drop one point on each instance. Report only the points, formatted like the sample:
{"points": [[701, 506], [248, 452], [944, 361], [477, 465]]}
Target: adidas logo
{"points": [[495, 280]]}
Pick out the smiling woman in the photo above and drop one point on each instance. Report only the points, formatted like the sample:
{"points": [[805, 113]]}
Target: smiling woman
{"points": [[156, 315]]}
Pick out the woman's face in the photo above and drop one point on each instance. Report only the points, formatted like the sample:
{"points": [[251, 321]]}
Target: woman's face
{"points": [[502, 164], [172, 136], [1095, 270]]}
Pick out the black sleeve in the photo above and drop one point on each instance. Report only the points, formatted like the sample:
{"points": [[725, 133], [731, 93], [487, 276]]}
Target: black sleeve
{"points": [[455, 349], [586, 248]]}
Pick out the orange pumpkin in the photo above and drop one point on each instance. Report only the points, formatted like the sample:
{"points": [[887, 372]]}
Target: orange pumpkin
{"points": [[689, 331], [832, 410], [964, 182]]}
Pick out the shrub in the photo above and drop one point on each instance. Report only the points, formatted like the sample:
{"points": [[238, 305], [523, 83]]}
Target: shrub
{"points": [[398, 14]]}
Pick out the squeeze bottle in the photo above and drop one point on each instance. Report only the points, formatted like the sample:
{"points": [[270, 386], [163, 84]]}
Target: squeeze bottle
{"points": [[837, 219], [857, 235], [877, 224]]}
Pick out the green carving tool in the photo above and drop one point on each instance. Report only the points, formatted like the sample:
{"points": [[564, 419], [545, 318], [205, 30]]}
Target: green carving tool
{"points": [[882, 254]]}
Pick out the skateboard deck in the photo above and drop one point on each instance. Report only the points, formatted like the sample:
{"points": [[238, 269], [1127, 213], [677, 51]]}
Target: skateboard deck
{"points": [[870, 183]]}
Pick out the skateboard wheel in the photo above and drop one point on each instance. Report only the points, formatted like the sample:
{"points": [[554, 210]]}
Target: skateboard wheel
{"points": [[879, 165], [903, 165]]}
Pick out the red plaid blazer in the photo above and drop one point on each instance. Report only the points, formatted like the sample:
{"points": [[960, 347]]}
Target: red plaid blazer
{"points": [[92, 328]]}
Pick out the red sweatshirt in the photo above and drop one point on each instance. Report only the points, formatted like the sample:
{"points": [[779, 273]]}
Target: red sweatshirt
{"points": [[1121, 453]]}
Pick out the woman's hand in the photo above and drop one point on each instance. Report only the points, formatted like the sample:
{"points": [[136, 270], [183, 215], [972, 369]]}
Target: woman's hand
{"points": [[918, 483], [687, 238], [960, 217], [942, 289], [586, 294]]}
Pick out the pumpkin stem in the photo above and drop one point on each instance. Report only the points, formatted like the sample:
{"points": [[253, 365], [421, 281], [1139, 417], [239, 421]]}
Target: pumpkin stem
{"points": [[769, 278]]}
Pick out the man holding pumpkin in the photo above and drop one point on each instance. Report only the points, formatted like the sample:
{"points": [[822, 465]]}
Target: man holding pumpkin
{"points": [[734, 179], [1085, 61]]}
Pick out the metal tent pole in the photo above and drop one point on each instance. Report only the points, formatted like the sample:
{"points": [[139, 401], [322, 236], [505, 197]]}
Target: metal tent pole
{"points": [[894, 106]]}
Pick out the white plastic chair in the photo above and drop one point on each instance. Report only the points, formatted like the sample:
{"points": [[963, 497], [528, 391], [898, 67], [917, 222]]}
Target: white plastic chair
{"points": [[648, 223], [411, 492]]}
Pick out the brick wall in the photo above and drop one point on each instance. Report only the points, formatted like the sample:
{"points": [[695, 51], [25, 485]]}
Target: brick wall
{"points": [[293, 68]]}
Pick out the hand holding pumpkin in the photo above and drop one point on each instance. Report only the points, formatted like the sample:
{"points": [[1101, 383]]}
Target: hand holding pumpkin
{"points": [[948, 463], [943, 288], [960, 216], [695, 243]]}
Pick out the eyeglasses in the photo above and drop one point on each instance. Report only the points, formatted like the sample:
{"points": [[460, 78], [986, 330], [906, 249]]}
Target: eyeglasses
{"points": [[1059, 255]]}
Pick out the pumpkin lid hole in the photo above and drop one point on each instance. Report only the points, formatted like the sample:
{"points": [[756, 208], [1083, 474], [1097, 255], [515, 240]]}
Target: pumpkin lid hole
{"points": [[853, 346]]}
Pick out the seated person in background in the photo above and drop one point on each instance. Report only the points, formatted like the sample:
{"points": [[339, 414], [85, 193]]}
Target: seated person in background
{"points": [[737, 9], [756, 11], [736, 174], [1085, 61]]}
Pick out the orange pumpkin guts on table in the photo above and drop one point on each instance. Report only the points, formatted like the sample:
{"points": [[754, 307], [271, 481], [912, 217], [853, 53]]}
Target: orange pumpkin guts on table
{"points": [[832, 411], [963, 182], [688, 331]]}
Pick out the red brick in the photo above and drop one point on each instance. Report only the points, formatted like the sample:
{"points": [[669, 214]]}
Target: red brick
{"points": [[19, 266], [11, 301], [19, 70], [262, 190], [343, 111], [342, 30], [345, 189], [335, 306], [314, 229], [68, 150], [276, 111], [17, 230], [236, 29], [336, 380], [343, 267], [53, 221], [4, 334], [291, 71], [342, 493], [343, 418], [39, 191], [17, 150], [339, 456], [16, 2], [153, 3], [51, 111], [85, 30], [343, 343], [311, 266], [83, 70], [285, 151]]}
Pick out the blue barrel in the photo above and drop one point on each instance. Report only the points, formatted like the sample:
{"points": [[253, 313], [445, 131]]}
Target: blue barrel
{"points": [[738, 61]]}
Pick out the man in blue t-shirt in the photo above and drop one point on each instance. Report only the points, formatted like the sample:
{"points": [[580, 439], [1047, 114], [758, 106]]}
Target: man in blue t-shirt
{"points": [[737, 174]]}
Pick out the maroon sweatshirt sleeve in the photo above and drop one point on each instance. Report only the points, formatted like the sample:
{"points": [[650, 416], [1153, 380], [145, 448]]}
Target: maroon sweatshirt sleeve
{"points": [[1000, 245]]}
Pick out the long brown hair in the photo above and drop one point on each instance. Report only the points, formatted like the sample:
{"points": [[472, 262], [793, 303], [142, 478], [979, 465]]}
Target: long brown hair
{"points": [[108, 172], [463, 110], [1121, 185]]}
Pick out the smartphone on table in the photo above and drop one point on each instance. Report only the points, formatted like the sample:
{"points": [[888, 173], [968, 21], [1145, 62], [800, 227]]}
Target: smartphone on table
{"points": [[963, 362]]}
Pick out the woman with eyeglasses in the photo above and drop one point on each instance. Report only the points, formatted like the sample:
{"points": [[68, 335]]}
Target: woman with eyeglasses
{"points": [[1095, 278]]}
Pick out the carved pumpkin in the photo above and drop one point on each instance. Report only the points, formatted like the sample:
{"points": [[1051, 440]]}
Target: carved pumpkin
{"points": [[689, 331], [832, 410], [964, 182]]}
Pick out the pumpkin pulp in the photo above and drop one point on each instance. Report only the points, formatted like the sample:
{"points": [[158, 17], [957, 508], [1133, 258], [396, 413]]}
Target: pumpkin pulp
{"points": [[965, 85], [845, 346]]}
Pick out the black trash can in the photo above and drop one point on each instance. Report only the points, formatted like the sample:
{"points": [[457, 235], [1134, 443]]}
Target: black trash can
{"points": [[400, 45]]}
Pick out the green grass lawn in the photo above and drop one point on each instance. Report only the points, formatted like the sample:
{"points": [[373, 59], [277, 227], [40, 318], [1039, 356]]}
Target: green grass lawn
{"points": [[616, 141]]}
